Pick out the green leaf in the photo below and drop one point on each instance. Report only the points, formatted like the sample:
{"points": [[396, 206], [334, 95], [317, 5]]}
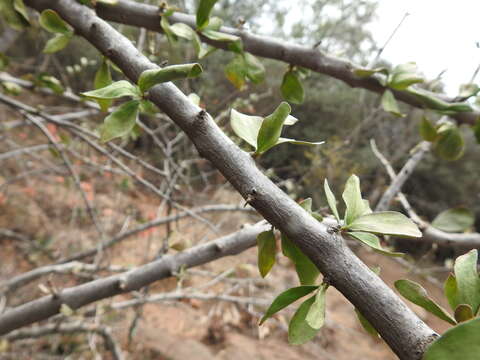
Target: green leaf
{"points": [[427, 130], [364, 73], [148, 107], [390, 105], [50, 82], [56, 43], [366, 324], [374, 242], [254, 68], [286, 298], [103, 78], [468, 90], [120, 122], [385, 222], [235, 41], [165, 25], [316, 314], [299, 331], [432, 102], [247, 127], [291, 88], [203, 12], [19, 6], [450, 145], [451, 291], [152, 77], [468, 282], [236, 72], [183, 31], [52, 22], [353, 200], [115, 90], [11, 16], [418, 295], [11, 88], [461, 342], [463, 312], [267, 248], [214, 23], [454, 220], [306, 270], [404, 75], [332, 201], [271, 128]]}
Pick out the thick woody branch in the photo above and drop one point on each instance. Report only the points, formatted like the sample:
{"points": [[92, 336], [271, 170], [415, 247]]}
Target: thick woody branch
{"points": [[78, 296], [405, 333], [147, 16]]}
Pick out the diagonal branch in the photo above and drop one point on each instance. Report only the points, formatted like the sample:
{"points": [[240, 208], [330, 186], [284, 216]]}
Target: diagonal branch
{"points": [[404, 332], [147, 16]]}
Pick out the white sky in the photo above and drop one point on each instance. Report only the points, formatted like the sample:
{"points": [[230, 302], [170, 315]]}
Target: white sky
{"points": [[438, 35]]}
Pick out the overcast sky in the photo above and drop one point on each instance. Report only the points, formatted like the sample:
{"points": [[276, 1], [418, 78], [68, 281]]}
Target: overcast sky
{"points": [[438, 35]]}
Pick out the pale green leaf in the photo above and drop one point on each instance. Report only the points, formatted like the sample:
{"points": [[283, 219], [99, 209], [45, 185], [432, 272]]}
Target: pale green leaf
{"points": [[468, 282], [19, 6], [374, 242], [364, 73], [316, 314], [332, 201], [404, 75], [431, 101], [366, 324], [428, 132], [56, 43], [454, 220], [459, 343], [306, 270], [418, 295], [299, 331], [152, 77], [450, 144], [115, 90], [386, 222], [286, 298], [390, 105], [355, 206], [103, 78], [120, 122], [450, 289], [291, 88]]}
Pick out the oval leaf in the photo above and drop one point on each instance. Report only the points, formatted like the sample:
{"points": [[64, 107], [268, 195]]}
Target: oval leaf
{"points": [[292, 88], [246, 127], [271, 128], [353, 199], [52, 22], [454, 220], [390, 105], [113, 91], [403, 76], [427, 130], [267, 248], [373, 241], [450, 144], [451, 291], [121, 121], [463, 312], [57, 43], [468, 282], [299, 331], [385, 222], [286, 298], [103, 78], [459, 343], [316, 314], [152, 77], [332, 201], [366, 324], [306, 270], [418, 295]]}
